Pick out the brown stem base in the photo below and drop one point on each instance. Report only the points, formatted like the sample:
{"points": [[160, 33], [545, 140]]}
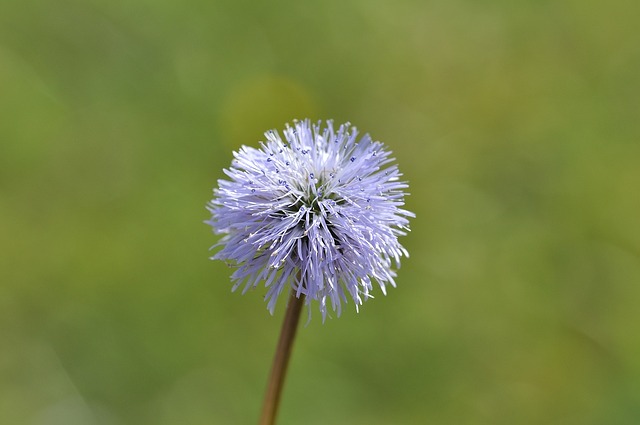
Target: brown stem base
{"points": [[281, 360]]}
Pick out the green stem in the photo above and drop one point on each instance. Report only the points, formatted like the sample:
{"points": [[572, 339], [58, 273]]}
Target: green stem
{"points": [[281, 360]]}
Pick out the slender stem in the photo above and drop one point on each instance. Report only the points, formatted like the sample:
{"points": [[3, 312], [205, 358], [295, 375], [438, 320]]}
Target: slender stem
{"points": [[281, 359]]}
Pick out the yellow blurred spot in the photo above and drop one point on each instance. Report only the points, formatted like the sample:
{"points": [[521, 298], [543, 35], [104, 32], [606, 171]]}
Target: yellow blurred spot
{"points": [[260, 104]]}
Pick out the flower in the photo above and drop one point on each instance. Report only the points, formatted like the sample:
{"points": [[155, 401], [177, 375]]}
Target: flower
{"points": [[319, 212]]}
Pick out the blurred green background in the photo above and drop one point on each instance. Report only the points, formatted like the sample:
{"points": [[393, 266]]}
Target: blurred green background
{"points": [[516, 124]]}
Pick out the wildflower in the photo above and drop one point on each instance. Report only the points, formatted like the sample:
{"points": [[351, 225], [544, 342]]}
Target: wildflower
{"points": [[319, 212]]}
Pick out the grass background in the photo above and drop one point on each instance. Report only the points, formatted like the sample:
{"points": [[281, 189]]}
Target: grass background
{"points": [[516, 124]]}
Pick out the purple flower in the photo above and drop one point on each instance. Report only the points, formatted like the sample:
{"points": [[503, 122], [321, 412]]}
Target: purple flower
{"points": [[319, 212]]}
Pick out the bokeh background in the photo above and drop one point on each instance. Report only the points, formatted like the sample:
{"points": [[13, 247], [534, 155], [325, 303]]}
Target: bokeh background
{"points": [[515, 122]]}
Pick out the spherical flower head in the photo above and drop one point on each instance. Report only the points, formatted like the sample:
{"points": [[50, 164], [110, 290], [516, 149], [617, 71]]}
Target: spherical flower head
{"points": [[319, 212]]}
